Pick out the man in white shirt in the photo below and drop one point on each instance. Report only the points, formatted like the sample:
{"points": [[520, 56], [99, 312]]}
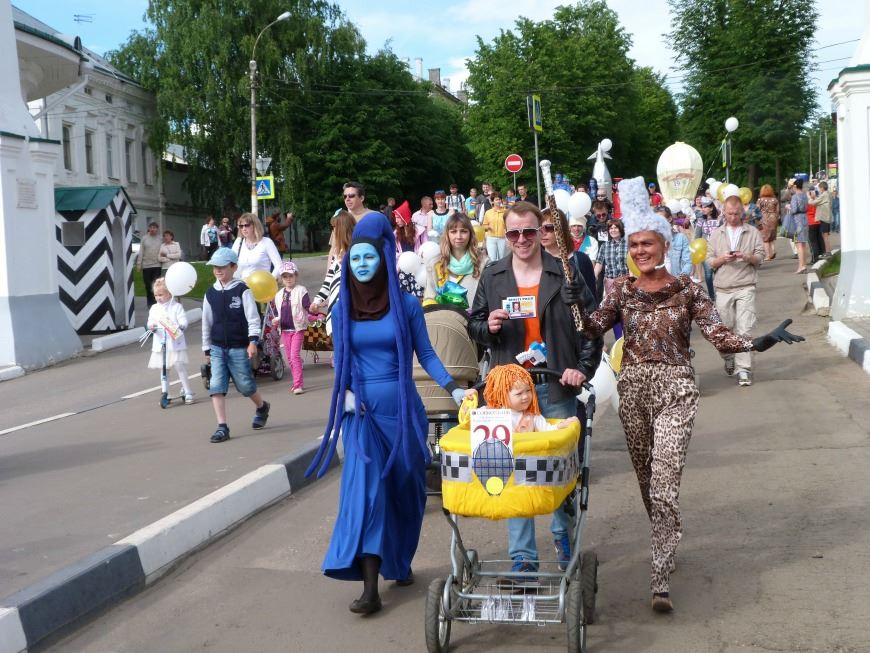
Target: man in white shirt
{"points": [[735, 251], [423, 217]]}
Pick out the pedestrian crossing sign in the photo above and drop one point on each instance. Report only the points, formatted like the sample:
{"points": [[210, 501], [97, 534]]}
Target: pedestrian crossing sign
{"points": [[266, 188]]}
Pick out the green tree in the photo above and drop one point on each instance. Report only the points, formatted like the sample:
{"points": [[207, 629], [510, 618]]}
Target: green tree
{"points": [[590, 89], [326, 113], [746, 58]]}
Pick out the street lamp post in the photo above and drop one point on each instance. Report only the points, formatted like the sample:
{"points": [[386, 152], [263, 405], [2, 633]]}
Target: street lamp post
{"points": [[252, 66], [730, 125]]}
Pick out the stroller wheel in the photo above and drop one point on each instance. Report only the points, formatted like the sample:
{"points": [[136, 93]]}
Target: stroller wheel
{"points": [[164, 400], [574, 617], [589, 583], [276, 363], [205, 373], [437, 620]]}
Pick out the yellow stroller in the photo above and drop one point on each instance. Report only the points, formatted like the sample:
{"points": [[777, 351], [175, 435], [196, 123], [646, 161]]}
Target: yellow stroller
{"points": [[543, 470]]}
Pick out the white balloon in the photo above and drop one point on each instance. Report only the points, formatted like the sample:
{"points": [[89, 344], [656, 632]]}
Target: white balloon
{"points": [[421, 276], [604, 381], [180, 278], [562, 198], [711, 180], [579, 205], [409, 262], [731, 190], [686, 205], [714, 188], [433, 235], [429, 251], [732, 124], [675, 206], [606, 144]]}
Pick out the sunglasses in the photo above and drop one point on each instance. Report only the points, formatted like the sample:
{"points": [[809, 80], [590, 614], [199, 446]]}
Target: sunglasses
{"points": [[242, 225], [513, 235], [549, 228], [350, 196]]}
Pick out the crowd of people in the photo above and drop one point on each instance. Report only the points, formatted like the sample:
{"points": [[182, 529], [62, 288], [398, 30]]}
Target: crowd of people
{"points": [[489, 247]]}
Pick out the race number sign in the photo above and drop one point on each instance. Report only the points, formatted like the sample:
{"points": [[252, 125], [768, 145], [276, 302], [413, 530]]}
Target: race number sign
{"points": [[491, 424]]}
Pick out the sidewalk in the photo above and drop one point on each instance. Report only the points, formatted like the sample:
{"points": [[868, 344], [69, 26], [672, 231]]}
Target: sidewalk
{"points": [[88, 458]]}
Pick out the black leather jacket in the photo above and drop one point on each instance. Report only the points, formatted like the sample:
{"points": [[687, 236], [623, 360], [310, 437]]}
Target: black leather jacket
{"points": [[566, 348]]}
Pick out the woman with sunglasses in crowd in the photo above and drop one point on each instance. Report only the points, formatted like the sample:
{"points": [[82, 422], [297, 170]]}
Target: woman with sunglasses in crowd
{"points": [[255, 252]]}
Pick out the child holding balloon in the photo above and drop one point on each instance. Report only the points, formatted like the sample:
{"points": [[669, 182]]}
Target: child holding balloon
{"points": [[230, 333], [291, 305], [167, 319]]}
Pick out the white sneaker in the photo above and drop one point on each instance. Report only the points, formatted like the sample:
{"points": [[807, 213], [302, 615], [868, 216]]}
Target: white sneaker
{"points": [[188, 399], [743, 379], [298, 391]]}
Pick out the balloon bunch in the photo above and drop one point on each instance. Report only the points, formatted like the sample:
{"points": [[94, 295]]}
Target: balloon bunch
{"points": [[415, 263]]}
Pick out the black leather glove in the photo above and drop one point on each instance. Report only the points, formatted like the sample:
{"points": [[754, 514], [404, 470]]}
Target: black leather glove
{"points": [[575, 292], [779, 334]]}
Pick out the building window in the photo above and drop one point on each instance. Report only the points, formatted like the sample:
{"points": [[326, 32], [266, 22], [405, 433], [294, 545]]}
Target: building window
{"points": [[146, 171], [72, 234], [66, 131], [110, 161], [89, 90], [89, 151], [108, 98], [128, 159]]}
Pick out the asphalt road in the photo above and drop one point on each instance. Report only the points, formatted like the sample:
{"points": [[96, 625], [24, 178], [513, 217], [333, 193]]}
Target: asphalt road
{"points": [[774, 556], [71, 486]]}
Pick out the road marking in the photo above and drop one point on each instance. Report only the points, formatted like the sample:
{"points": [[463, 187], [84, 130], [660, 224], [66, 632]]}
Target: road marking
{"points": [[36, 423], [146, 391], [53, 418]]}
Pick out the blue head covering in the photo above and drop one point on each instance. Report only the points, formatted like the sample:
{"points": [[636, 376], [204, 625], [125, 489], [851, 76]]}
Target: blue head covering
{"points": [[373, 228]]}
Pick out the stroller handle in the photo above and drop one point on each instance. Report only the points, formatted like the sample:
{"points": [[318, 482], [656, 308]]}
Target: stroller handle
{"points": [[544, 371]]}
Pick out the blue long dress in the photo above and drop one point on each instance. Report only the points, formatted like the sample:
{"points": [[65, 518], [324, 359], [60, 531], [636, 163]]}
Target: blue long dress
{"points": [[380, 517]]}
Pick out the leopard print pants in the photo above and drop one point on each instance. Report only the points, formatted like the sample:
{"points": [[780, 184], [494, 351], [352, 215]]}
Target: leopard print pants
{"points": [[657, 405]]}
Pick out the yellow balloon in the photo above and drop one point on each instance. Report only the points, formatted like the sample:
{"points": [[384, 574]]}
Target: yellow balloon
{"points": [[632, 266], [698, 250], [479, 233], [745, 195], [720, 192], [616, 355], [263, 285]]}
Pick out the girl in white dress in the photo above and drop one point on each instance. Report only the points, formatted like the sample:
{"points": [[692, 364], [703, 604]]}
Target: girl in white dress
{"points": [[167, 320]]}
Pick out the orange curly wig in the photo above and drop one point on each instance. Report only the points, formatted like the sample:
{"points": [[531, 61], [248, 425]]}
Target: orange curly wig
{"points": [[499, 382]]}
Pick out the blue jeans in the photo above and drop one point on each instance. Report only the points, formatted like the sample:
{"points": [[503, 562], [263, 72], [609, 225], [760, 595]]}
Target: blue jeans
{"points": [[708, 277], [521, 531], [226, 362]]}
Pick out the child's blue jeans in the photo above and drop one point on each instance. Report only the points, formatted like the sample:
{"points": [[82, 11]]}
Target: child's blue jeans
{"points": [[232, 361]]}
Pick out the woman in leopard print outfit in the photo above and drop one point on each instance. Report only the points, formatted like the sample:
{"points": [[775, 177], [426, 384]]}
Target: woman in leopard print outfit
{"points": [[658, 396]]}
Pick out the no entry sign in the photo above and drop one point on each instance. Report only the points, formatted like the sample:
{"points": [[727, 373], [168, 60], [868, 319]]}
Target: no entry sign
{"points": [[513, 163]]}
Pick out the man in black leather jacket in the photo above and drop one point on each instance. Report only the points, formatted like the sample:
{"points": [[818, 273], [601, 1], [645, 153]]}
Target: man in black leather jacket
{"points": [[528, 270]]}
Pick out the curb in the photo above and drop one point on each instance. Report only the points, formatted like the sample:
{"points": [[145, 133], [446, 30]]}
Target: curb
{"points": [[11, 372], [57, 604], [850, 343]]}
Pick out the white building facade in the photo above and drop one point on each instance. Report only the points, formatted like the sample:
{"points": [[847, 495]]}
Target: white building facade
{"points": [[101, 123]]}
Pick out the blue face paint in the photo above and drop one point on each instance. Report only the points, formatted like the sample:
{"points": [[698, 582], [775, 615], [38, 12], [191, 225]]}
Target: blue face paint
{"points": [[364, 261]]}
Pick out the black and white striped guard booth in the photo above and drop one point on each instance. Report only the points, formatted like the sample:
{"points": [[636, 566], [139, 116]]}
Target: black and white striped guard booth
{"points": [[94, 239]]}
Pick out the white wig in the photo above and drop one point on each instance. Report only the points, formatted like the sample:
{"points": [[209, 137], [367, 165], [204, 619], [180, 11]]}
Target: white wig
{"points": [[637, 215]]}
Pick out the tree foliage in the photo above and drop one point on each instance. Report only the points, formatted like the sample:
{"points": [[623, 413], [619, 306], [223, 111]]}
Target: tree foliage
{"points": [[590, 89], [326, 111], [746, 58]]}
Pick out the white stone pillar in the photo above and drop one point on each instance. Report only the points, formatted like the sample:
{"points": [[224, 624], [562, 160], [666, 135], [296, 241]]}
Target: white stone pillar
{"points": [[34, 330], [850, 94]]}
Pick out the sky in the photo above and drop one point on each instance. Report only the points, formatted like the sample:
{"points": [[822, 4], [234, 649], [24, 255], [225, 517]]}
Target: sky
{"points": [[443, 33]]}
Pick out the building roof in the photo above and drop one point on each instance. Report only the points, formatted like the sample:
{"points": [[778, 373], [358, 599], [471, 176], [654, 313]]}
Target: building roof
{"points": [[32, 25], [87, 198]]}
